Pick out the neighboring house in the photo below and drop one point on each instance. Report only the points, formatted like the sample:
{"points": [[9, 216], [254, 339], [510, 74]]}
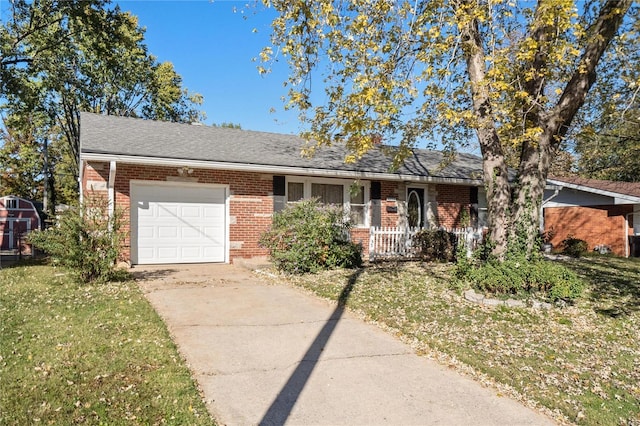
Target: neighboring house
{"points": [[193, 193], [603, 213], [18, 216]]}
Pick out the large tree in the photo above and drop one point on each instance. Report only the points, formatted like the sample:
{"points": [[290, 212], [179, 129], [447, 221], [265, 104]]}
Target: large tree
{"points": [[60, 57], [508, 75]]}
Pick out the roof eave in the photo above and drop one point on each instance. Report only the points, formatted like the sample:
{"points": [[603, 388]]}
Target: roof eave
{"points": [[618, 198], [262, 168]]}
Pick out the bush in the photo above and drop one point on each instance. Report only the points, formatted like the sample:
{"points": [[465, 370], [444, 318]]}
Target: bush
{"points": [[574, 246], [553, 281], [84, 239], [307, 237], [436, 244]]}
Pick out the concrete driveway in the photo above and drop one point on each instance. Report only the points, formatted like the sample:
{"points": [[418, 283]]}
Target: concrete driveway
{"points": [[270, 354]]}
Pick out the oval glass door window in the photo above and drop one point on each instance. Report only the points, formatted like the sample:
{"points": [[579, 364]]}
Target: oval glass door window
{"points": [[414, 212]]}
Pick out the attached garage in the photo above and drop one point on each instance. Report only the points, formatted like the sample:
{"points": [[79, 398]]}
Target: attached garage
{"points": [[178, 223]]}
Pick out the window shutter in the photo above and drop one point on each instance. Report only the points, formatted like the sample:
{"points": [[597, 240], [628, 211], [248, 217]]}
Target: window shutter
{"points": [[278, 185], [376, 190], [473, 195]]}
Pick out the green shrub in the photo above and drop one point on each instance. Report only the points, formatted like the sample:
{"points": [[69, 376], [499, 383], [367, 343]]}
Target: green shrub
{"points": [[84, 239], [307, 236], [435, 244], [551, 280], [574, 246]]}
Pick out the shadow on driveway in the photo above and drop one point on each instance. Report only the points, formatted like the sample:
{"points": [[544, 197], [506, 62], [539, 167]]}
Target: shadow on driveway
{"points": [[281, 407]]}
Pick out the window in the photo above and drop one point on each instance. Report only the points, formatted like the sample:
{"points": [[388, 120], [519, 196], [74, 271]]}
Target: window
{"points": [[327, 193], [414, 209], [338, 192], [357, 205], [295, 191], [11, 203]]}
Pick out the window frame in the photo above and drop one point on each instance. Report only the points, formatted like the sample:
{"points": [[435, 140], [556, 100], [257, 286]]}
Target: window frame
{"points": [[12, 203], [346, 194]]}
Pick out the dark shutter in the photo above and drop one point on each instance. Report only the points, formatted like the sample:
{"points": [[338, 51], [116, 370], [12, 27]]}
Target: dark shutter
{"points": [[279, 186], [473, 195], [376, 191], [376, 204], [473, 208]]}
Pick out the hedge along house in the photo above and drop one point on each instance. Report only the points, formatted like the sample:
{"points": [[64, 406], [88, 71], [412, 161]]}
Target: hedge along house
{"points": [[193, 193], [603, 213]]}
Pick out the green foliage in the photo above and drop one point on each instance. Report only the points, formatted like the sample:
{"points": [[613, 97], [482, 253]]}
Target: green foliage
{"points": [[436, 244], [519, 273], [574, 246], [551, 280], [307, 237], [512, 74], [21, 160], [85, 240], [62, 57]]}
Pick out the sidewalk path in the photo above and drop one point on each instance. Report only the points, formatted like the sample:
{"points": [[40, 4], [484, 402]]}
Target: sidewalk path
{"points": [[270, 355]]}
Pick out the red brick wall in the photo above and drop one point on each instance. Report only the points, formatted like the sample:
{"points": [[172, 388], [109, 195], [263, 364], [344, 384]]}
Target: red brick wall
{"points": [[250, 207], [595, 224], [251, 202], [452, 201], [361, 236], [388, 190]]}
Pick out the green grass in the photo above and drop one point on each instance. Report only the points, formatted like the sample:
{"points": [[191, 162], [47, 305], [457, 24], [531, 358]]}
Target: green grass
{"points": [[92, 354], [578, 363]]}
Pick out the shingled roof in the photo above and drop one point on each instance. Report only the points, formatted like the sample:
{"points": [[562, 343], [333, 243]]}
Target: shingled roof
{"points": [[616, 187], [128, 139]]}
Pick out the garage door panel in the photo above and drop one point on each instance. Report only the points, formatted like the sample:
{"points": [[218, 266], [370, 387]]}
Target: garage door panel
{"points": [[191, 233], [213, 211], [166, 210], [167, 254], [145, 232], [167, 232], [179, 224], [191, 212]]}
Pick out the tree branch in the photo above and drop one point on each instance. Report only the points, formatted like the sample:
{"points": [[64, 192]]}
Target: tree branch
{"points": [[602, 31]]}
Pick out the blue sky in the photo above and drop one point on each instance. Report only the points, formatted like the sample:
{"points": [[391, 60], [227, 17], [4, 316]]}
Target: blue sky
{"points": [[211, 45]]}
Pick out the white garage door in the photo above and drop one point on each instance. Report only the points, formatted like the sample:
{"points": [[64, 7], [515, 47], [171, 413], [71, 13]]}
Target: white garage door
{"points": [[177, 224]]}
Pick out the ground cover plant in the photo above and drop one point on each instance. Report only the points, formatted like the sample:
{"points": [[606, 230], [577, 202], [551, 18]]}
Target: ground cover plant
{"points": [[87, 354], [578, 363]]}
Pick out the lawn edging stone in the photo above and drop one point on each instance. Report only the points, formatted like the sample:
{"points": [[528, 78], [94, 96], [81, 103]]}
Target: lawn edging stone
{"points": [[481, 299]]}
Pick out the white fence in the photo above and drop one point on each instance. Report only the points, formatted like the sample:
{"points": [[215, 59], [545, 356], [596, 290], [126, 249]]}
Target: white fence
{"points": [[388, 242]]}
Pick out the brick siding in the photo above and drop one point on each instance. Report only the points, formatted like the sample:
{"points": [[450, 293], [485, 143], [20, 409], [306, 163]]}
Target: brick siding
{"points": [[453, 200], [251, 201], [596, 225]]}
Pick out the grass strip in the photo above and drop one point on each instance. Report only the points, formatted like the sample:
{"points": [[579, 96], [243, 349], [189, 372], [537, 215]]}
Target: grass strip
{"points": [[88, 354]]}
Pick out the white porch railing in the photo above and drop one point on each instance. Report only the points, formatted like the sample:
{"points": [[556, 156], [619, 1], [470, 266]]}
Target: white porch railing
{"points": [[396, 242]]}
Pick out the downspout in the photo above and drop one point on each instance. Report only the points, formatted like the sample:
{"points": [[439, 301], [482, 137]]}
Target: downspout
{"points": [[555, 194], [111, 188], [80, 180]]}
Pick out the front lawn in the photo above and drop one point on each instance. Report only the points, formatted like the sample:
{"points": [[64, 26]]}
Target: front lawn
{"points": [[577, 363], [87, 354]]}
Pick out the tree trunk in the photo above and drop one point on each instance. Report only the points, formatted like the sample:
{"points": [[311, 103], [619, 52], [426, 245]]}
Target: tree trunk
{"points": [[494, 165]]}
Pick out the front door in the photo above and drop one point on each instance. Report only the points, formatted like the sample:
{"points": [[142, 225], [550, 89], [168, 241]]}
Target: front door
{"points": [[415, 207]]}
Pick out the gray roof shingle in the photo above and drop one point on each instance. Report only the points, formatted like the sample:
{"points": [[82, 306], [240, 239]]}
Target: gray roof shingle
{"points": [[132, 137]]}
